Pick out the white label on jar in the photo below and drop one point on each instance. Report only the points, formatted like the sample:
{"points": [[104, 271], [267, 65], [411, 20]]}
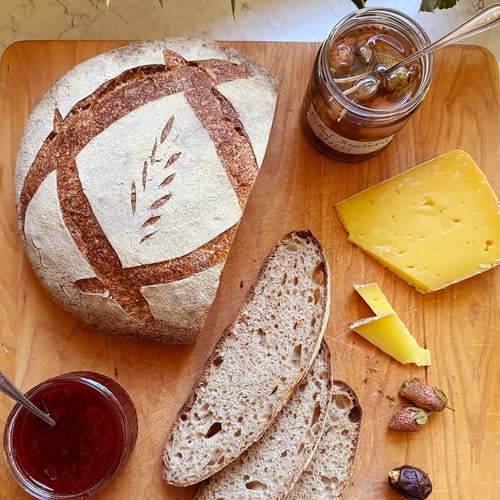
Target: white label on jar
{"points": [[339, 143]]}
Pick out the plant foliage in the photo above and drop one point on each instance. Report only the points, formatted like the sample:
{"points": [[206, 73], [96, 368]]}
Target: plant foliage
{"points": [[431, 5], [425, 5]]}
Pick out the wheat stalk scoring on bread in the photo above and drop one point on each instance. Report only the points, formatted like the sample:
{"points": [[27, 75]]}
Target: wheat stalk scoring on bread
{"points": [[257, 363], [131, 179], [331, 467], [270, 467]]}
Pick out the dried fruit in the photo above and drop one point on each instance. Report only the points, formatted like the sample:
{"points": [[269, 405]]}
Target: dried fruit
{"points": [[386, 60], [366, 88], [341, 55], [410, 482], [424, 396], [398, 81], [365, 50], [408, 419]]}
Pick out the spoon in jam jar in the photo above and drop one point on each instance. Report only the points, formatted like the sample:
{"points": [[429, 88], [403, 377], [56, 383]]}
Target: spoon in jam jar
{"points": [[394, 77], [8, 388]]}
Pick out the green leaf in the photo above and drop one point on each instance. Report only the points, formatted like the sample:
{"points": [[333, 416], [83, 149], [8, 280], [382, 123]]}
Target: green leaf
{"points": [[427, 5], [431, 5], [419, 416], [441, 395], [161, 3], [233, 8]]}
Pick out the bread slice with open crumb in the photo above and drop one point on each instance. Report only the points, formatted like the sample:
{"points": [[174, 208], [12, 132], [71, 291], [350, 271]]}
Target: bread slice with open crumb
{"points": [[331, 467], [256, 365], [270, 467]]}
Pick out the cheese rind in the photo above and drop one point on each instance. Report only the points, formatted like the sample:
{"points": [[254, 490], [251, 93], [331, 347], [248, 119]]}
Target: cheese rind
{"points": [[433, 225], [390, 335]]}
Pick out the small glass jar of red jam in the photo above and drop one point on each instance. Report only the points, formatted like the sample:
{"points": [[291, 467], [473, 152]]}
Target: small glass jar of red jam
{"points": [[349, 113], [95, 432]]}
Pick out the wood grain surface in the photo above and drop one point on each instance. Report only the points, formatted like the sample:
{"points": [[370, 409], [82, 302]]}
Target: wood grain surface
{"points": [[296, 189]]}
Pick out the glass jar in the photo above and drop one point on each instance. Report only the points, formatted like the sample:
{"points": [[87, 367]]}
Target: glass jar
{"points": [[95, 432], [349, 125]]}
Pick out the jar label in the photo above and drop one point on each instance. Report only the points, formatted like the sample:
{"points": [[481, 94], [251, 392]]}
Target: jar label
{"points": [[339, 143]]}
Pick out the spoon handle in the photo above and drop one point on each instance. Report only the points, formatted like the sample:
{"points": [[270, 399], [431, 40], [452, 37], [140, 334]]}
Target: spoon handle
{"points": [[8, 388], [483, 20]]}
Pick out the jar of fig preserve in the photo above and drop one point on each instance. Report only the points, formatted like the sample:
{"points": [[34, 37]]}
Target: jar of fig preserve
{"points": [[348, 114], [95, 432]]}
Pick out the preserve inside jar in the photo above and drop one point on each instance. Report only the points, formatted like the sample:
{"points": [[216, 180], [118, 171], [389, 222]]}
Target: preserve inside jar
{"points": [[348, 113], [95, 432]]}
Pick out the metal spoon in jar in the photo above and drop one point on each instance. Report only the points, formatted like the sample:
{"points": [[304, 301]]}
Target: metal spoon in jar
{"points": [[367, 86], [7, 387]]}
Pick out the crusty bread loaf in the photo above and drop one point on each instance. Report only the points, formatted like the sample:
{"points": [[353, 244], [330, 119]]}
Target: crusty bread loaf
{"points": [[132, 176], [256, 364], [270, 467], [330, 469]]}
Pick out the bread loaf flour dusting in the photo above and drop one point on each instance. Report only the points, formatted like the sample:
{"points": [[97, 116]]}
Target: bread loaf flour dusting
{"points": [[130, 182]]}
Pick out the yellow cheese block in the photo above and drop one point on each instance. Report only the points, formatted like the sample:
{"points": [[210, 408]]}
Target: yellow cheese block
{"points": [[433, 225], [390, 335], [386, 330]]}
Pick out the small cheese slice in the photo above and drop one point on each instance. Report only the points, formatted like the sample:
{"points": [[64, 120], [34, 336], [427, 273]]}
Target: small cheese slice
{"points": [[433, 225], [386, 330], [375, 298], [390, 335]]}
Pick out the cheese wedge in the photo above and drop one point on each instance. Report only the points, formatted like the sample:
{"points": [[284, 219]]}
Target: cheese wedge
{"points": [[386, 330], [390, 335], [374, 297], [433, 225]]}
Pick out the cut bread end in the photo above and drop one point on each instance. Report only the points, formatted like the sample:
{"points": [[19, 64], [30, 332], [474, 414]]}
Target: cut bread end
{"points": [[332, 465]]}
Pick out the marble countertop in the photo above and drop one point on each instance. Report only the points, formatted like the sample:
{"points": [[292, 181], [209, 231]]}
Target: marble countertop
{"points": [[272, 20]]}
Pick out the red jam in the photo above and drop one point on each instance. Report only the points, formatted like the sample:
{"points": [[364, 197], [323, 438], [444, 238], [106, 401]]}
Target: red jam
{"points": [[95, 431]]}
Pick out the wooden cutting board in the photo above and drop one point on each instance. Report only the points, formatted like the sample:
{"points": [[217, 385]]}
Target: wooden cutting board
{"points": [[296, 189]]}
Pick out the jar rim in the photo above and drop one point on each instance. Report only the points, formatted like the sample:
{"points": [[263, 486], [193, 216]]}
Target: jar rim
{"points": [[382, 16]]}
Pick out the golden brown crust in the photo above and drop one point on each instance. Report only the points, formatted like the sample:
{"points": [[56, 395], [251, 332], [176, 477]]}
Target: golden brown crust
{"points": [[110, 102], [114, 99]]}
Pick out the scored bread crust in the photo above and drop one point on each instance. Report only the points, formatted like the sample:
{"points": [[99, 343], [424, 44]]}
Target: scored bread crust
{"points": [[136, 246], [271, 466], [332, 465], [233, 403]]}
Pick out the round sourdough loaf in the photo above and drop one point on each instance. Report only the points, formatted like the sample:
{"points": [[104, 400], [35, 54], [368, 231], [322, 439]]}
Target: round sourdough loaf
{"points": [[132, 176]]}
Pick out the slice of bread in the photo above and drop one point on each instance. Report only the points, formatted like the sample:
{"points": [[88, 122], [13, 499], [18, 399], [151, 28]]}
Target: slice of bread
{"points": [[271, 466], [256, 365], [329, 471]]}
